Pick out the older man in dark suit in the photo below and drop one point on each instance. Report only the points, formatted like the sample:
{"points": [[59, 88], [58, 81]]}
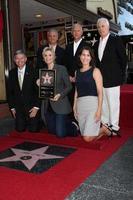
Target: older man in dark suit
{"points": [[52, 41], [72, 50], [22, 94], [71, 58], [111, 60]]}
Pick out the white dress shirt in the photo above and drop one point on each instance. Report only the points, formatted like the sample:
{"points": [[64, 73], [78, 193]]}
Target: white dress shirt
{"points": [[75, 46], [101, 47], [53, 47], [21, 73]]}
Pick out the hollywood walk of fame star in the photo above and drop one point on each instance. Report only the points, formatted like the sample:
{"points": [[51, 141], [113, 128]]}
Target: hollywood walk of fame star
{"points": [[30, 158], [93, 41], [88, 34], [47, 78]]}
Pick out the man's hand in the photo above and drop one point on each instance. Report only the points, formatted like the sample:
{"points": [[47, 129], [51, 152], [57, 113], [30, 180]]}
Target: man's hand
{"points": [[13, 113], [38, 82], [33, 112], [72, 79]]}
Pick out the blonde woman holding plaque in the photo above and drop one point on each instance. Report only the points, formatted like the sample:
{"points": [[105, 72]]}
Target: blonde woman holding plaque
{"points": [[56, 109]]}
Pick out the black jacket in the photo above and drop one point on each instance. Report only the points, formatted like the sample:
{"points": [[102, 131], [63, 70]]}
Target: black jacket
{"points": [[113, 63], [28, 96]]}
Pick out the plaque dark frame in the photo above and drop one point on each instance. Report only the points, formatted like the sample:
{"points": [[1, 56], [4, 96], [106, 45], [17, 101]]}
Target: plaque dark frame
{"points": [[47, 86]]}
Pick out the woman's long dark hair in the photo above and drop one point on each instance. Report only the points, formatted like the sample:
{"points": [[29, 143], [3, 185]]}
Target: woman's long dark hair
{"points": [[92, 62]]}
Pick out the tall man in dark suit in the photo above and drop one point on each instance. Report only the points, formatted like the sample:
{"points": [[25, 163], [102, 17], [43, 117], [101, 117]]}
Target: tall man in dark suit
{"points": [[52, 41], [72, 49], [22, 93], [71, 55], [111, 60]]}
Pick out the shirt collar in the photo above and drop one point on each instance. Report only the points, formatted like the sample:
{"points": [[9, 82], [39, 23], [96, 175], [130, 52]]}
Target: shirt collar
{"points": [[77, 43], [53, 46], [105, 38], [22, 70]]}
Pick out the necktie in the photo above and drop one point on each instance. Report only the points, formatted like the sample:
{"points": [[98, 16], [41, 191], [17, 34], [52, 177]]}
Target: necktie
{"points": [[20, 80]]}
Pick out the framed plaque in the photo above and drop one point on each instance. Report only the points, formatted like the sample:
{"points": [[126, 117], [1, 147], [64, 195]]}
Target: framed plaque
{"points": [[47, 83]]}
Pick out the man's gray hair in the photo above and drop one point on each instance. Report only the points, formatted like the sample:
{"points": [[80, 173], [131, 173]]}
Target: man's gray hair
{"points": [[51, 30], [102, 19], [77, 24], [19, 51]]}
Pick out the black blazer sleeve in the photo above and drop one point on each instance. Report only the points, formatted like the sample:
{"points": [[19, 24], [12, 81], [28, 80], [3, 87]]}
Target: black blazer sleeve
{"points": [[10, 89]]}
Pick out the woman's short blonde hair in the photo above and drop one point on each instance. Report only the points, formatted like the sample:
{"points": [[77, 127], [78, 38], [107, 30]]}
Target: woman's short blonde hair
{"points": [[48, 49]]}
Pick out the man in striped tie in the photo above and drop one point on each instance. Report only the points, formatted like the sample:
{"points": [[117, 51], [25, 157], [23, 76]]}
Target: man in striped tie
{"points": [[22, 94]]}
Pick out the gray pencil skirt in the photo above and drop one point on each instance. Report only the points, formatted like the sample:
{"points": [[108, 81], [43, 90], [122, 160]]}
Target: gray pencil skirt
{"points": [[86, 109]]}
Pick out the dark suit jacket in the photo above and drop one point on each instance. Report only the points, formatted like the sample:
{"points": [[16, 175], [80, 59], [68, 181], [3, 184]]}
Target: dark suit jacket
{"points": [[63, 87], [71, 61], [59, 52], [113, 63], [28, 96]]}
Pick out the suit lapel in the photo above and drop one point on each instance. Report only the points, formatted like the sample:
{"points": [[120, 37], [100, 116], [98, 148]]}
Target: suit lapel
{"points": [[79, 47], [16, 78], [56, 49], [72, 49], [106, 47], [96, 49], [57, 52]]}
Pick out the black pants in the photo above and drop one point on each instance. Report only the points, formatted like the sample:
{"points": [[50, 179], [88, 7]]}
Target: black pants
{"points": [[23, 121]]}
